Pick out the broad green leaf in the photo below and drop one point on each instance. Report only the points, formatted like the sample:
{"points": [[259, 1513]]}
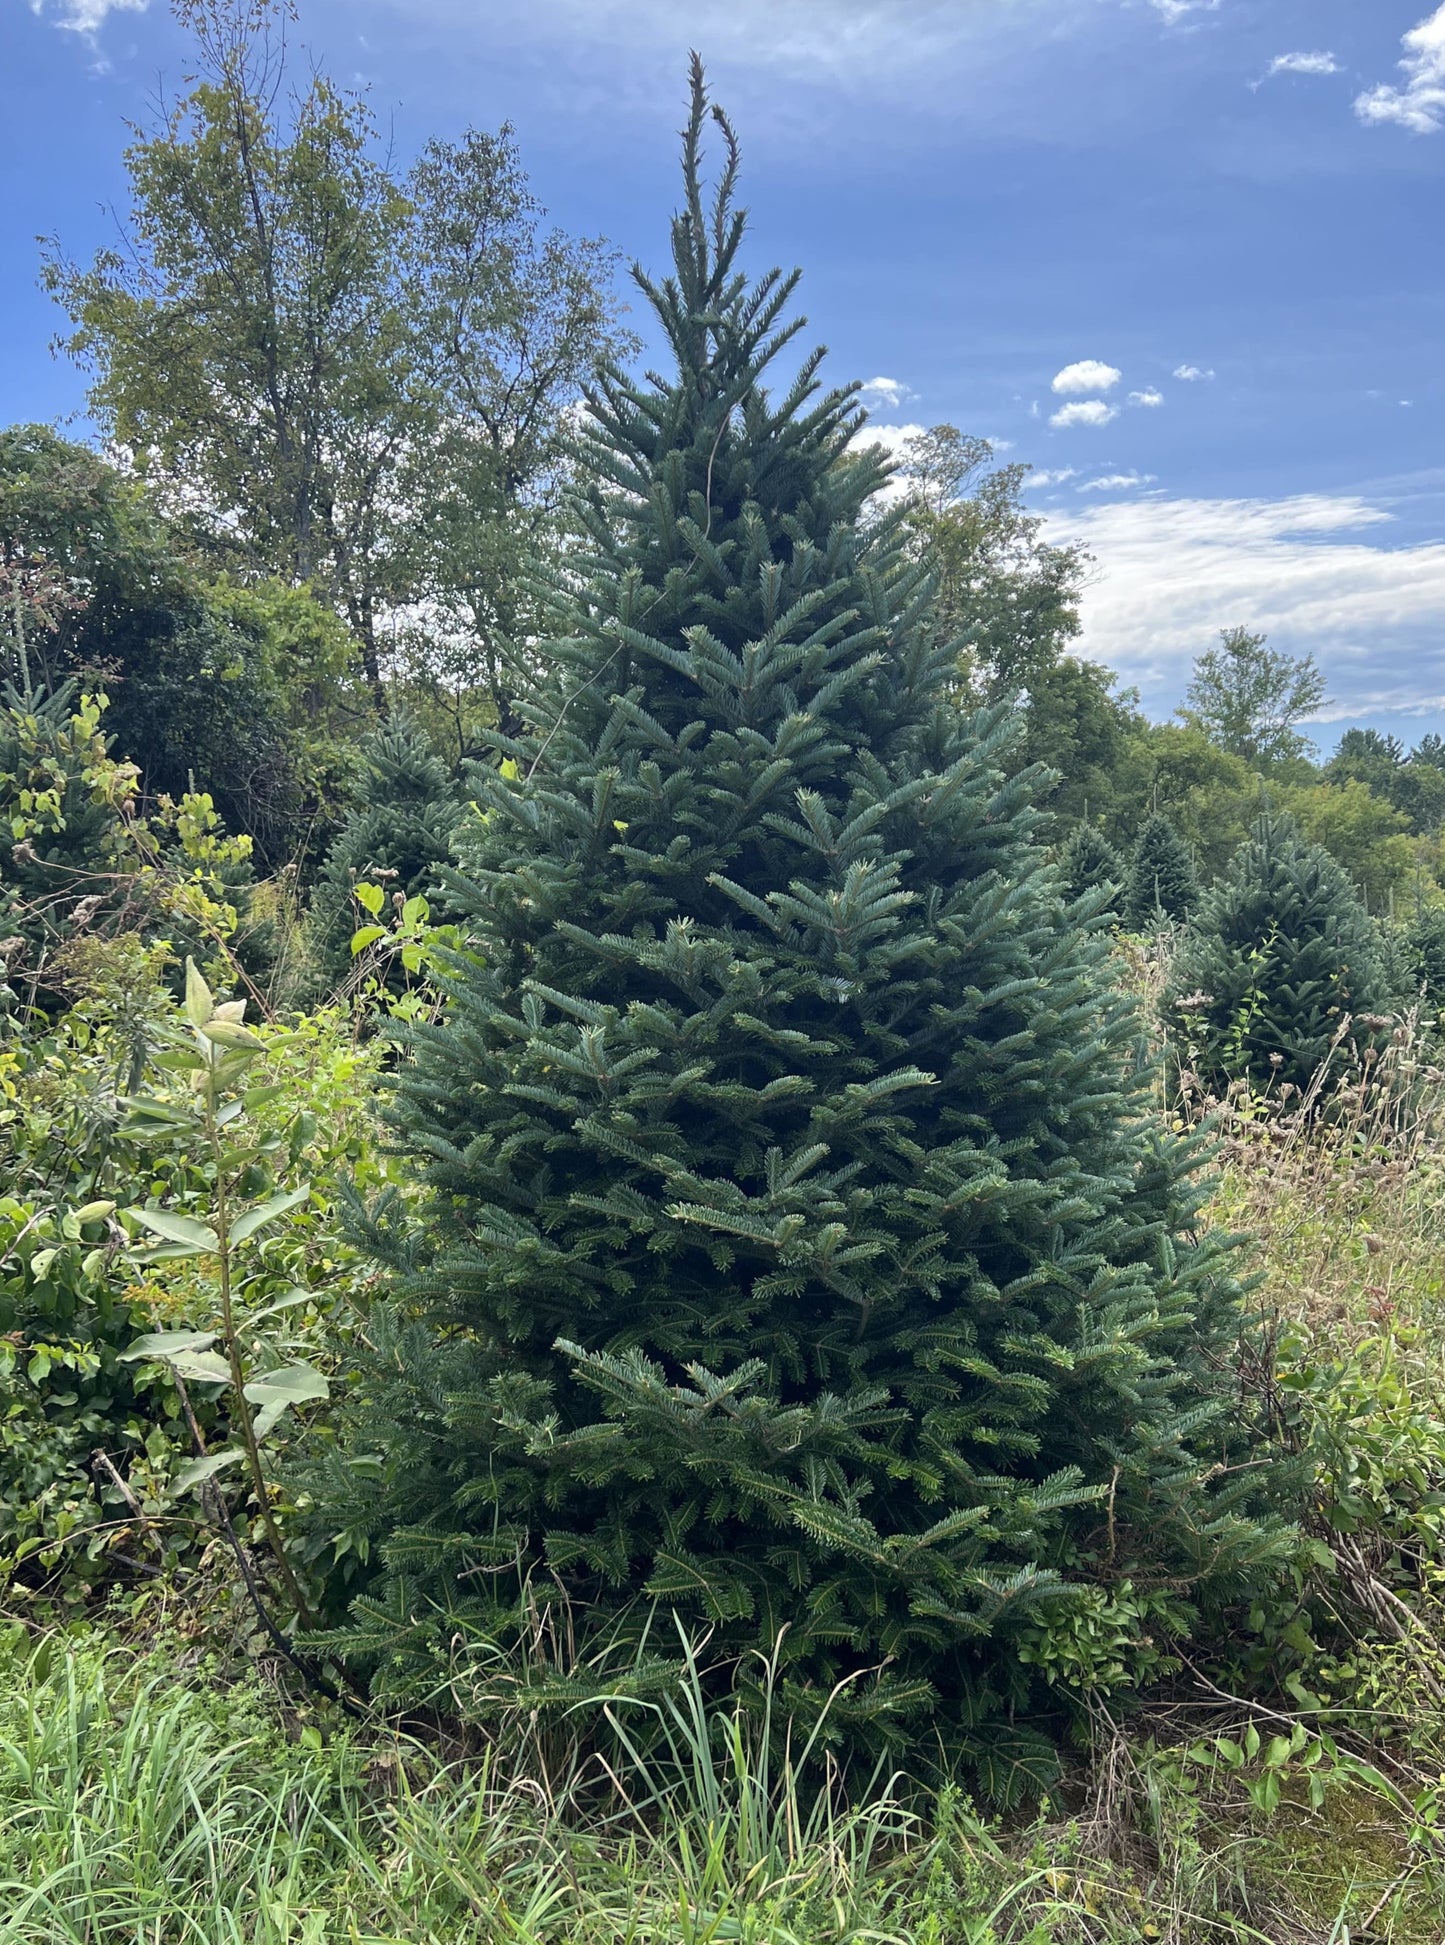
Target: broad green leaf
{"points": [[368, 935], [265, 1212], [169, 1343], [278, 1391], [199, 1003], [200, 1470], [181, 1060], [231, 1010], [206, 1367], [415, 911], [231, 1034], [293, 1384], [289, 1302], [178, 1229], [370, 897]]}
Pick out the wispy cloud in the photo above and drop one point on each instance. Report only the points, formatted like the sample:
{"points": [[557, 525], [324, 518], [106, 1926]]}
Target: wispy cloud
{"points": [[1151, 395], [1086, 375], [1042, 476], [1192, 374], [1090, 411], [1173, 10], [1116, 482], [1316, 572], [1300, 63], [1419, 102], [84, 17], [887, 393]]}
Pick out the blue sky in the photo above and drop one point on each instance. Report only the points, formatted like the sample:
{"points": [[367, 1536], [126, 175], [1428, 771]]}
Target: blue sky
{"points": [[983, 194]]}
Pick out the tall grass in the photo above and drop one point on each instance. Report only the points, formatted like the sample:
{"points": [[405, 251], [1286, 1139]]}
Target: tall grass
{"points": [[144, 1800], [140, 1803]]}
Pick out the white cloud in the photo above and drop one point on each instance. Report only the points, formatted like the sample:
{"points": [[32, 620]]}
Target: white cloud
{"points": [[896, 438], [1116, 482], [1191, 374], [1087, 375], [1173, 10], [1041, 475], [1151, 395], [85, 17], [1315, 572], [1090, 411], [1419, 104], [1301, 63], [895, 441], [890, 392]]}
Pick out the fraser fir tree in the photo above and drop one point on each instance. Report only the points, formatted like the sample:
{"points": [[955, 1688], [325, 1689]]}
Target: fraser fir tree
{"points": [[1160, 884], [398, 833], [799, 1264], [1419, 946], [1088, 861], [1283, 972]]}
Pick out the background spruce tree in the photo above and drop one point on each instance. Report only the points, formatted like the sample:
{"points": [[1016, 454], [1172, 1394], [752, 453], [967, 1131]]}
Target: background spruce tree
{"points": [[1420, 945], [397, 833], [1160, 883], [797, 1261], [1280, 957], [1087, 861]]}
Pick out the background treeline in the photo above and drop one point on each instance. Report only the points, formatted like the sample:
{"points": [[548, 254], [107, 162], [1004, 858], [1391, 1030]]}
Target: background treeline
{"points": [[337, 402]]}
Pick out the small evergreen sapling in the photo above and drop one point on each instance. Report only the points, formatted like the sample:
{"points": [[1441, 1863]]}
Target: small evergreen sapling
{"points": [[1160, 885], [798, 1259], [1088, 861], [399, 832], [1421, 948], [1282, 973]]}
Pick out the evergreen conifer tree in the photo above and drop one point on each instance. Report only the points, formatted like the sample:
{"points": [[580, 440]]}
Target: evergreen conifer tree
{"points": [[797, 1259], [1160, 883], [1088, 861], [1282, 970], [1420, 944], [400, 830]]}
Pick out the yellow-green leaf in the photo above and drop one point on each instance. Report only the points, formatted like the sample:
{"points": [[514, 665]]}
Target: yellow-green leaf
{"points": [[199, 1003]]}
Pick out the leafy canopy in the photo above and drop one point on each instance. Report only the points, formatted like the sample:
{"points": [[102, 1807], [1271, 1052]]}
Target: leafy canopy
{"points": [[1250, 698]]}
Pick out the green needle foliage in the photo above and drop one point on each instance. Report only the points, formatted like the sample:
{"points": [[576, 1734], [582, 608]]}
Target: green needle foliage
{"points": [[1088, 861], [1283, 976], [800, 1259], [1160, 884], [398, 833]]}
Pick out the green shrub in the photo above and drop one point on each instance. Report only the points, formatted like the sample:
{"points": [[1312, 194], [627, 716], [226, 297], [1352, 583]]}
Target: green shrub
{"points": [[93, 1441], [81, 867]]}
